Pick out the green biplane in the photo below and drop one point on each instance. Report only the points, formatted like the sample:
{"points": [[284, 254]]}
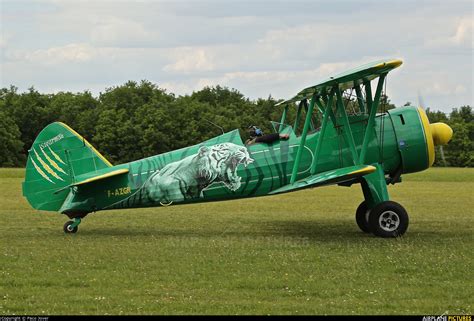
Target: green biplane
{"points": [[354, 144]]}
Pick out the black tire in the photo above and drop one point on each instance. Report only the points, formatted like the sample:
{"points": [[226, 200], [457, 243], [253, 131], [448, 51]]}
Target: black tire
{"points": [[362, 217], [388, 219], [67, 227]]}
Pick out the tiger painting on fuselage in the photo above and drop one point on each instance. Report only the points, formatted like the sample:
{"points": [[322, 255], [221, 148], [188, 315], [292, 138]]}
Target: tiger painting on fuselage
{"points": [[349, 147], [187, 178]]}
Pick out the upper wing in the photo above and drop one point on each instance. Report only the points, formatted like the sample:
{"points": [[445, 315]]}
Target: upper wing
{"points": [[347, 79], [335, 176]]}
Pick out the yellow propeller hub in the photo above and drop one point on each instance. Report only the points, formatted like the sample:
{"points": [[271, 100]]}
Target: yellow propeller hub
{"points": [[441, 133], [435, 134]]}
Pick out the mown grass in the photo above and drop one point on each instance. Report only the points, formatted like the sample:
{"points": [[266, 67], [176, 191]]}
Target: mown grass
{"points": [[298, 253]]}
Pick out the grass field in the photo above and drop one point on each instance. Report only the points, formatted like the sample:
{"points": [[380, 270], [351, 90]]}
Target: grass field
{"points": [[297, 253]]}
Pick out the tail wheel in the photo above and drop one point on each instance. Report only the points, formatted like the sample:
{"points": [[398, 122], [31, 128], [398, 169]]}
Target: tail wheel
{"points": [[388, 219], [362, 217], [69, 227]]}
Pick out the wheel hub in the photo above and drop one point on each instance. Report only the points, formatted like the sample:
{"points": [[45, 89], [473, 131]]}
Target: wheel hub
{"points": [[389, 221]]}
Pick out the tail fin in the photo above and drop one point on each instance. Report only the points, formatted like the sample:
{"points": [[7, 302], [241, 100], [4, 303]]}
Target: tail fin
{"points": [[57, 156]]}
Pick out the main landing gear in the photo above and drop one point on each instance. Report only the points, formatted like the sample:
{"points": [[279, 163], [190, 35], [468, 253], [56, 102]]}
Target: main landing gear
{"points": [[377, 214], [385, 219]]}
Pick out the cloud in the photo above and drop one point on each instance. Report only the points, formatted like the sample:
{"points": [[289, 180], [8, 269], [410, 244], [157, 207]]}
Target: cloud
{"points": [[188, 60], [71, 53], [464, 34], [454, 34], [3, 40], [439, 87], [118, 32]]}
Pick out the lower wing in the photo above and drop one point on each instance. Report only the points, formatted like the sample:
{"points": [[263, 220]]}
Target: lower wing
{"points": [[331, 177]]}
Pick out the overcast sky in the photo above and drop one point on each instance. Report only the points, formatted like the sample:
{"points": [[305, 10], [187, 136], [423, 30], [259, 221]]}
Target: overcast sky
{"points": [[258, 47]]}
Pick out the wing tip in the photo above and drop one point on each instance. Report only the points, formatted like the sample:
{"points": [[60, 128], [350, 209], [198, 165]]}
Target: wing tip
{"points": [[392, 64], [366, 170]]}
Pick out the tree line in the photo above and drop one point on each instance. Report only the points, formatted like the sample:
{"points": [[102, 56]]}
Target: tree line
{"points": [[137, 120]]}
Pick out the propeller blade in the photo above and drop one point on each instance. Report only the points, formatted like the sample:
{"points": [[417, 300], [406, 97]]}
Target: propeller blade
{"points": [[441, 151], [421, 102]]}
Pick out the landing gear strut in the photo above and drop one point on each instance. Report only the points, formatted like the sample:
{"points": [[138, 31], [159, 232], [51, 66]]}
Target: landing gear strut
{"points": [[376, 214]]}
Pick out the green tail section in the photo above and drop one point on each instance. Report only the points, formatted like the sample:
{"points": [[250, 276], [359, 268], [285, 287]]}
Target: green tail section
{"points": [[58, 155]]}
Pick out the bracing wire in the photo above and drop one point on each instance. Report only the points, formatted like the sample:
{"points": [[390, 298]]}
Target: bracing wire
{"points": [[382, 125]]}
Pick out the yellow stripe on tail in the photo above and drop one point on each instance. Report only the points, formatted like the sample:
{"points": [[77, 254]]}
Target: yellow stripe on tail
{"points": [[56, 156], [46, 166], [53, 163], [40, 171]]}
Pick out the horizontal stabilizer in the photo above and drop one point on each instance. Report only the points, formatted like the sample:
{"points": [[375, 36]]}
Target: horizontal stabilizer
{"points": [[335, 176], [95, 176], [105, 173]]}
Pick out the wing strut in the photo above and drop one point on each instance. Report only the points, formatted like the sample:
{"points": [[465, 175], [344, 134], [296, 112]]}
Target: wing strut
{"points": [[298, 116], [305, 104], [360, 99], [283, 118], [327, 114], [372, 108], [303, 139], [347, 128]]}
